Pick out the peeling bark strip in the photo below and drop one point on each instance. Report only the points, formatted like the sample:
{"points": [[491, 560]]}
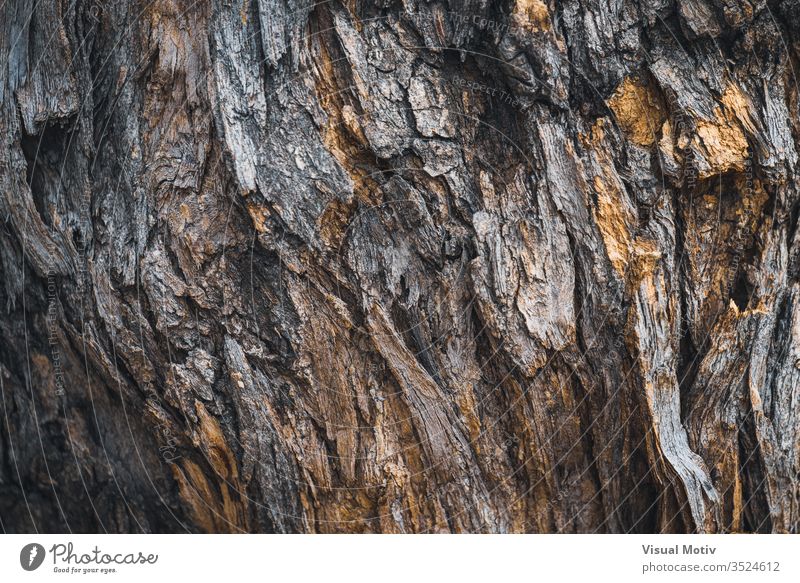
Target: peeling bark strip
{"points": [[400, 266]]}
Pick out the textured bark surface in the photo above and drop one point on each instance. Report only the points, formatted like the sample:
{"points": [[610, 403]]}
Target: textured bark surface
{"points": [[399, 266]]}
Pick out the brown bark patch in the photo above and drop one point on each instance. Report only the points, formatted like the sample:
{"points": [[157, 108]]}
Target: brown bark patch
{"points": [[639, 110]]}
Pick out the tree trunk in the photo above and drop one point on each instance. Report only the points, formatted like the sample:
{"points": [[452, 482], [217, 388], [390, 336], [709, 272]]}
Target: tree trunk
{"points": [[398, 266]]}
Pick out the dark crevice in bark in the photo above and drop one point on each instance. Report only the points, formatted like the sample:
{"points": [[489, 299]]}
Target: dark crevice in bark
{"points": [[756, 510]]}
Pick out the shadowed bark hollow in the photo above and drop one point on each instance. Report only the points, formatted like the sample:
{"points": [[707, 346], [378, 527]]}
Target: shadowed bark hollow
{"points": [[399, 266]]}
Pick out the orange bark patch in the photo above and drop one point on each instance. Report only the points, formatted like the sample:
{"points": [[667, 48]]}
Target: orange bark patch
{"points": [[613, 225], [639, 111], [532, 15], [333, 222], [722, 140], [259, 215], [646, 256], [216, 506]]}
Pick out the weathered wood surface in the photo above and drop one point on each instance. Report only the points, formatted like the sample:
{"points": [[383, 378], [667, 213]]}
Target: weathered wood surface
{"points": [[399, 266]]}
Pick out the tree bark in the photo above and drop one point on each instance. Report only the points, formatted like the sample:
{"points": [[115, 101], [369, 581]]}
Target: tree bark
{"points": [[399, 266]]}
